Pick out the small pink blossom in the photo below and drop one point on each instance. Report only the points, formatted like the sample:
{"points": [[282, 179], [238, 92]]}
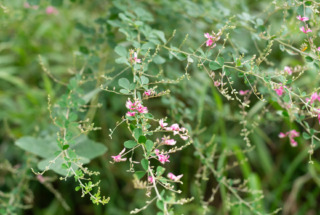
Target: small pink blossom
{"points": [[291, 134], [175, 128], [209, 42], [51, 10], [162, 158], [130, 105], [174, 177], [318, 48], [303, 19], [313, 98], [282, 135], [141, 109], [170, 142], [184, 137], [135, 58], [118, 158], [216, 83], [279, 90], [305, 30], [147, 93], [288, 70], [162, 124], [150, 179], [241, 92], [131, 113]]}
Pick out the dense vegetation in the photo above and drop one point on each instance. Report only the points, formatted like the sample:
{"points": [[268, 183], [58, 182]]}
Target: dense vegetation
{"points": [[159, 107]]}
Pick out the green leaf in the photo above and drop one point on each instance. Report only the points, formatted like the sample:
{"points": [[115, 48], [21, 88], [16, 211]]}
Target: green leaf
{"points": [[159, 60], [309, 59], [160, 170], [65, 147], [140, 174], [149, 145], [306, 135], [122, 60], [220, 61], [145, 163], [142, 139], [123, 82], [120, 50], [161, 35], [130, 144], [137, 132], [87, 148], [43, 147], [124, 91], [144, 80], [214, 65], [286, 98]]}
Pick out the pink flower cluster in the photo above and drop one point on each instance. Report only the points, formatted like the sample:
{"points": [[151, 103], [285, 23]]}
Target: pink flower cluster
{"points": [[174, 177], [313, 98], [288, 70], [161, 157], [291, 134], [243, 92], [149, 93], [279, 90], [168, 141], [211, 40], [183, 132], [135, 107], [170, 176], [304, 29], [135, 58], [118, 158]]}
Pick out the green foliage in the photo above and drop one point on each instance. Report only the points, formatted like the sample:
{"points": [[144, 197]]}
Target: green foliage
{"points": [[83, 60]]}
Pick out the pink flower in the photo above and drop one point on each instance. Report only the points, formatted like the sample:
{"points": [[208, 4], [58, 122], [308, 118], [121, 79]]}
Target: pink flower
{"points": [[131, 113], [307, 30], [175, 128], [216, 83], [51, 10], [184, 137], [303, 19], [282, 135], [291, 134], [241, 92], [135, 58], [147, 93], [279, 90], [313, 98], [319, 48], [162, 158], [209, 42], [150, 179], [118, 158], [173, 177], [288, 70], [141, 109], [162, 124], [170, 142], [130, 105]]}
